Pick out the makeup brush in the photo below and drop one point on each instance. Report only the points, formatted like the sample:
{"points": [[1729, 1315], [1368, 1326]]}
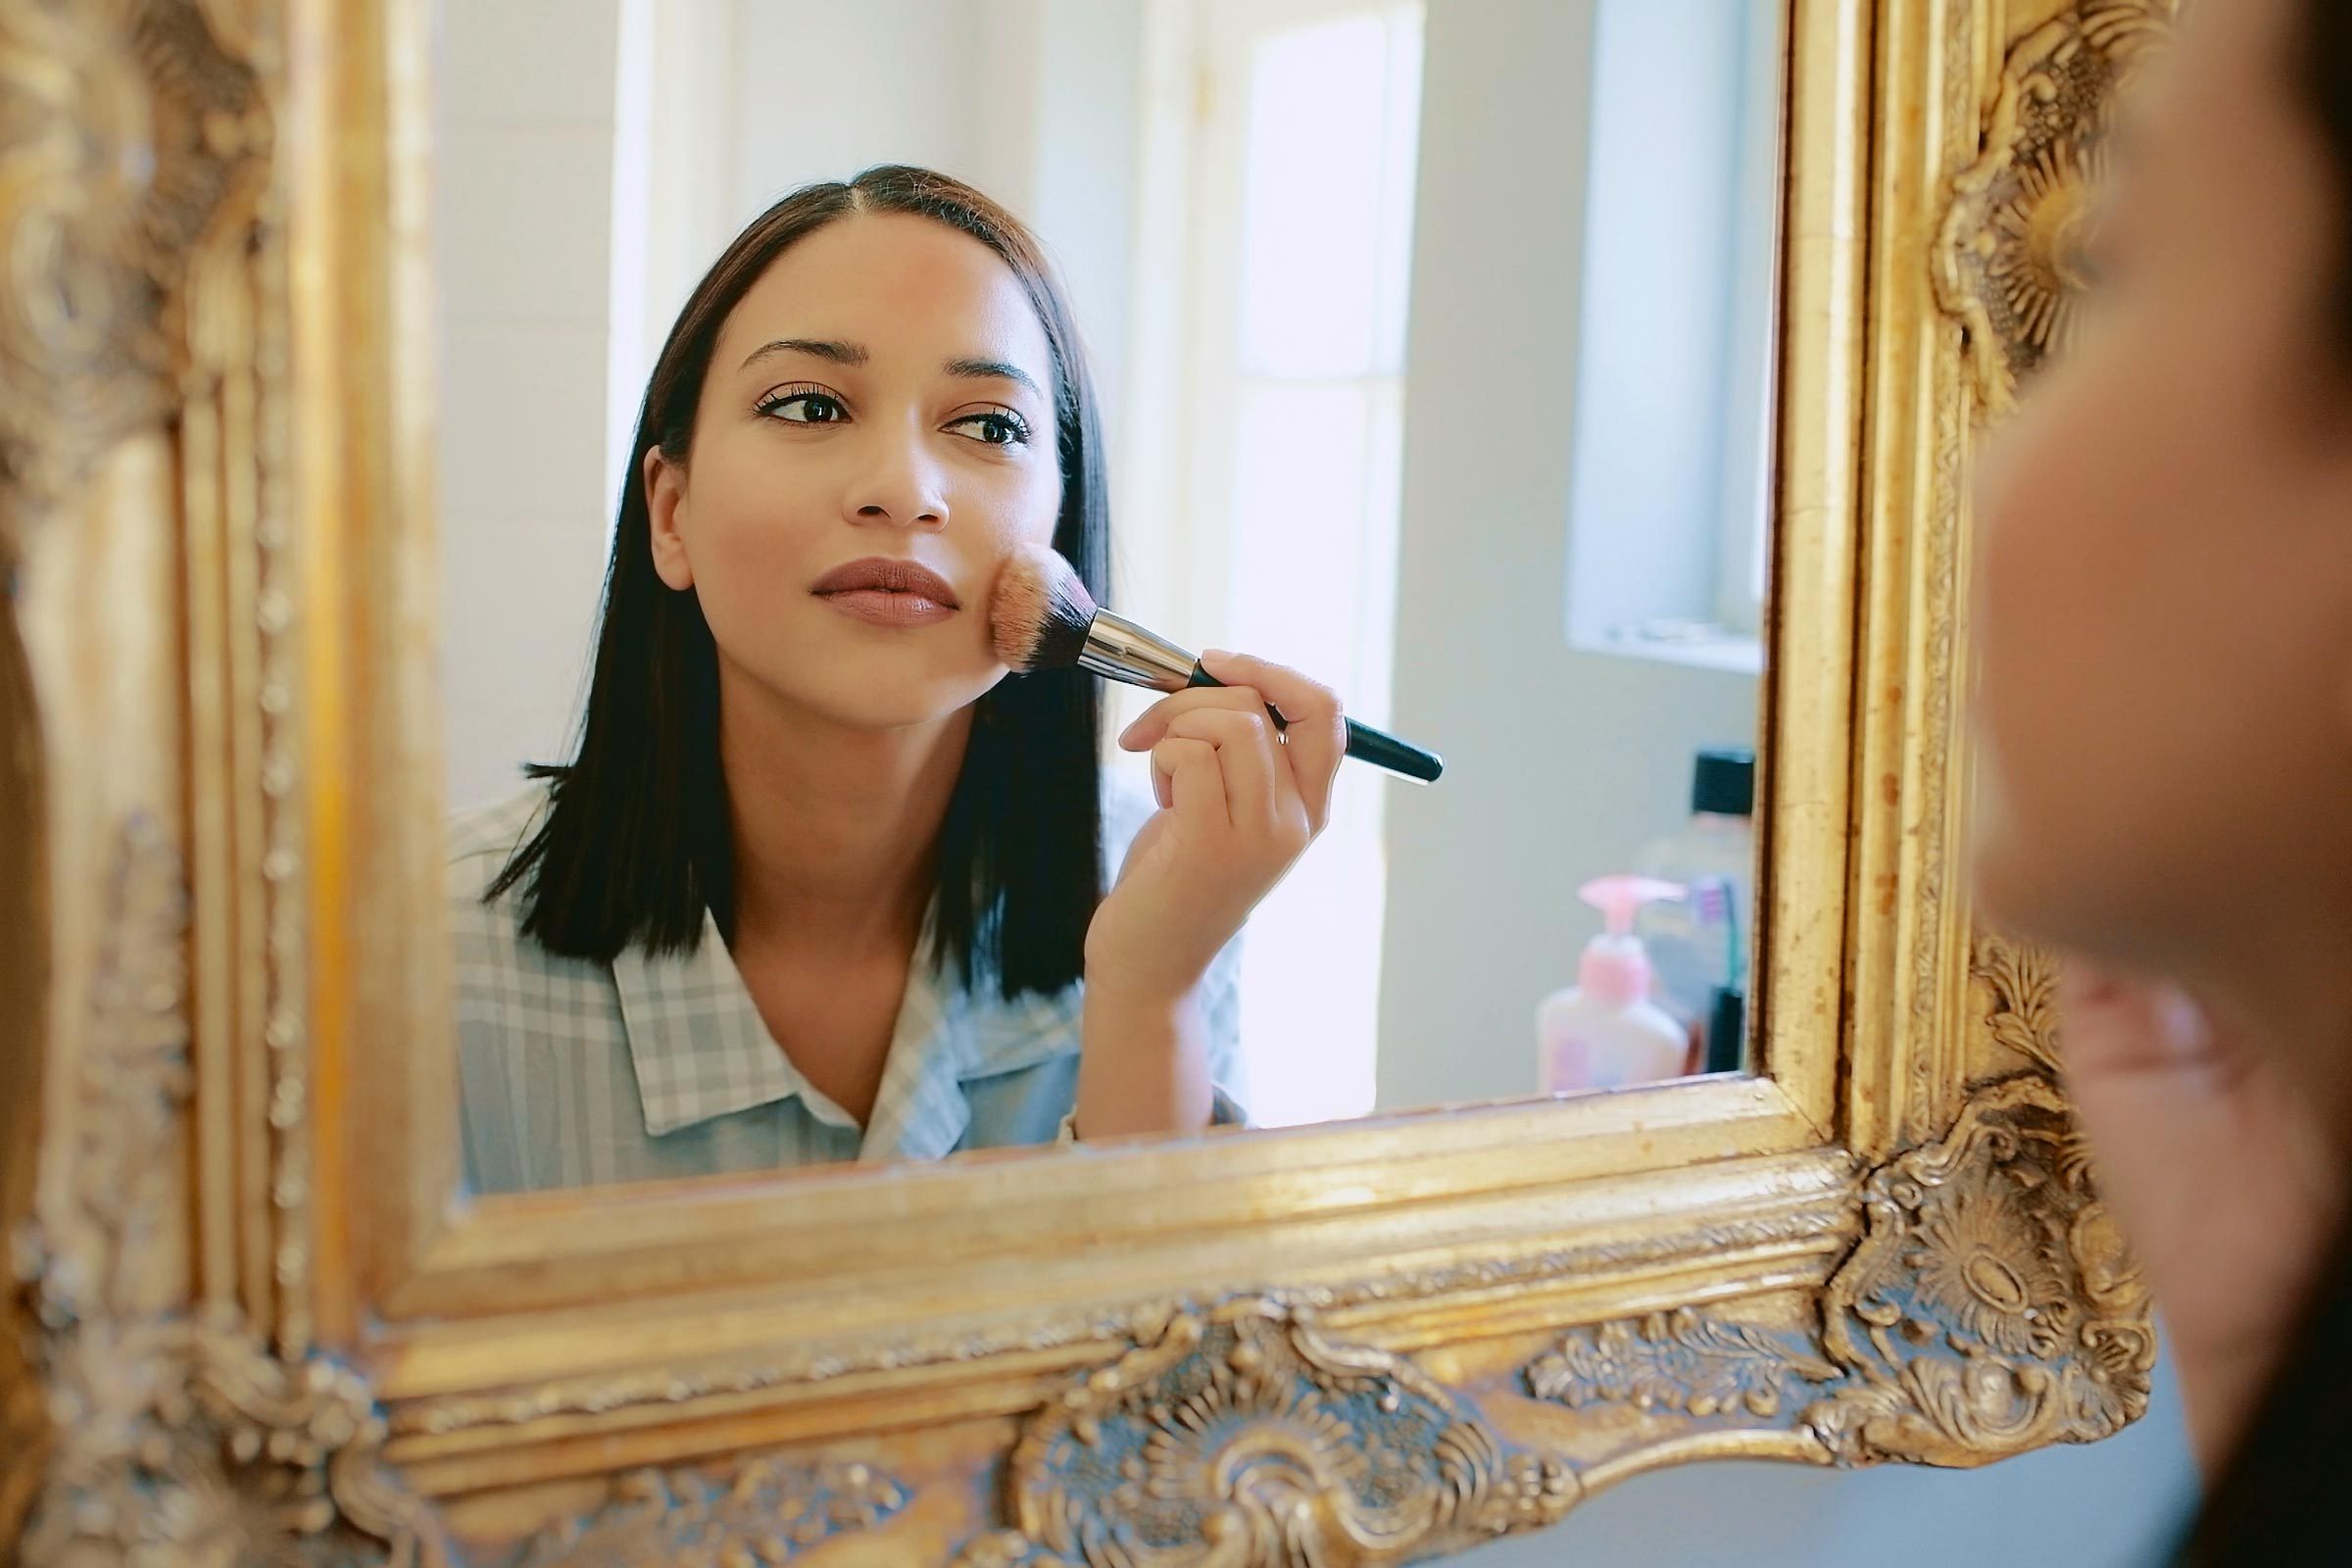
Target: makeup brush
{"points": [[1044, 619]]}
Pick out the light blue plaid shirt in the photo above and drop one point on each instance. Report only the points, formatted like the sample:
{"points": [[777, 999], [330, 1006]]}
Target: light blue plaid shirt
{"points": [[574, 1073]]}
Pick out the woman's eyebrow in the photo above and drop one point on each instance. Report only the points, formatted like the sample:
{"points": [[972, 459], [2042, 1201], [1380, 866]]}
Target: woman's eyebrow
{"points": [[994, 370], [814, 348], [840, 352]]}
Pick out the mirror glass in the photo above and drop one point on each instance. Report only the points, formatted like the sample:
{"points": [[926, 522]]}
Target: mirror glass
{"points": [[1432, 347]]}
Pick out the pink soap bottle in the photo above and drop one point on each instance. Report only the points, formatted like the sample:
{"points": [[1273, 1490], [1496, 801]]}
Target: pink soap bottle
{"points": [[1603, 1032]]}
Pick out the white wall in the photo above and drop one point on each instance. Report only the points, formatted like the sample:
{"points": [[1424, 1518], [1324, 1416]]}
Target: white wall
{"points": [[2113, 1504], [524, 119], [823, 91], [1033, 101], [1560, 763], [1655, 336], [1675, 334]]}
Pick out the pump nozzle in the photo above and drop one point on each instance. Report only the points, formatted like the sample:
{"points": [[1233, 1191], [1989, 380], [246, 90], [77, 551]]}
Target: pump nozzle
{"points": [[1615, 968], [1618, 897]]}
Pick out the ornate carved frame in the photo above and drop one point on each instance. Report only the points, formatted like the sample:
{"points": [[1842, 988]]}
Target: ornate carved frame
{"points": [[249, 1323]]}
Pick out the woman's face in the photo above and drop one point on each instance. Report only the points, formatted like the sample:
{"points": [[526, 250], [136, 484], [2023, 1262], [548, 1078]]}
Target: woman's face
{"points": [[2165, 574], [883, 393]]}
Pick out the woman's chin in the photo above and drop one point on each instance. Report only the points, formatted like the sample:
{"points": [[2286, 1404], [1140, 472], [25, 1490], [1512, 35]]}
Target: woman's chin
{"points": [[893, 709]]}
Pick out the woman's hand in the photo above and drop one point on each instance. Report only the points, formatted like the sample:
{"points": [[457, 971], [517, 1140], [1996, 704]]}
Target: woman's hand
{"points": [[1240, 800], [2223, 1176]]}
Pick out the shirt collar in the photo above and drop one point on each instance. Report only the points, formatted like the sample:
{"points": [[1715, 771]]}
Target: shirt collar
{"points": [[696, 1042], [700, 1050]]}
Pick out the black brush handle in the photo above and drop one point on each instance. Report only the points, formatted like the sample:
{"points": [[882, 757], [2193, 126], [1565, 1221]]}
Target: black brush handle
{"points": [[1365, 744]]}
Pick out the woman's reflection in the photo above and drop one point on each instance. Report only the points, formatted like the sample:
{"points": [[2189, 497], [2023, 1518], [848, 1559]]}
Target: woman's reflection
{"points": [[821, 882]]}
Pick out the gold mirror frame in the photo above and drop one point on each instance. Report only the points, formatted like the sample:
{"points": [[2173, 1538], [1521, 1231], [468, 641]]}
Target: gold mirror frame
{"points": [[250, 1326]]}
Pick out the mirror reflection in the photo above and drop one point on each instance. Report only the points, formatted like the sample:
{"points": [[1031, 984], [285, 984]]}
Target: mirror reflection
{"points": [[858, 426]]}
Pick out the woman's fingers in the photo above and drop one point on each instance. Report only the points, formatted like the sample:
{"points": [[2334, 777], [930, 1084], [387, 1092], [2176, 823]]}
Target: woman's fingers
{"points": [[1151, 724], [1186, 777], [2168, 1094], [2119, 1028], [1316, 739], [1233, 818], [1257, 785], [1268, 763]]}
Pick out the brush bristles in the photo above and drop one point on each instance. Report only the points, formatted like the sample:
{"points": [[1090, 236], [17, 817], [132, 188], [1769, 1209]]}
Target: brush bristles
{"points": [[1041, 613]]}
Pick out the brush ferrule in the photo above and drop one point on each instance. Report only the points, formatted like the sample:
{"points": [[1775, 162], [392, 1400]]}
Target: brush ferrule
{"points": [[1118, 649]]}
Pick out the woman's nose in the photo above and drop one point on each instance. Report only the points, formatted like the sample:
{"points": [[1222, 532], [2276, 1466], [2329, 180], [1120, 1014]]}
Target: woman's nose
{"points": [[898, 486]]}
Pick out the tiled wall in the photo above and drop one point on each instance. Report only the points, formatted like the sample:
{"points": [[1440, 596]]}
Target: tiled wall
{"points": [[522, 205]]}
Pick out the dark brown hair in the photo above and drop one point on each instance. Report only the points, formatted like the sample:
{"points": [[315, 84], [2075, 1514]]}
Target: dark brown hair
{"points": [[635, 844], [2327, 70]]}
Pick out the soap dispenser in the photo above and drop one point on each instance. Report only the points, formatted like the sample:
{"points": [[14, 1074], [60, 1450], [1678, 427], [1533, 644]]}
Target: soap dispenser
{"points": [[1604, 1032]]}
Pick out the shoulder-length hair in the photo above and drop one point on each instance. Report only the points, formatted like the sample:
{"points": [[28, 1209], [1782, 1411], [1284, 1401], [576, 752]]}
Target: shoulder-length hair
{"points": [[634, 846]]}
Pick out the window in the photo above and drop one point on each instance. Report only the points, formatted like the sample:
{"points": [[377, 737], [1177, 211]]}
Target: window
{"points": [[1303, 123], [1672, 492]]}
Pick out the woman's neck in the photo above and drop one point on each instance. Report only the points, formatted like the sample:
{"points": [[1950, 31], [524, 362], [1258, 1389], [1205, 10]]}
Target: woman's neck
{"points": [[835, 828]]}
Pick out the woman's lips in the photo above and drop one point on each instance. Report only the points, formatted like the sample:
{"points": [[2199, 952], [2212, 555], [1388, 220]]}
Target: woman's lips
{"points": [[880, 607], [888, 590]]}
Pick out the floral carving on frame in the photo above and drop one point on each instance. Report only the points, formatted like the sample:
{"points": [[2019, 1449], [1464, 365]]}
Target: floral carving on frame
{"points": [[1242, 1439], [1991, 1308], [2012, 264]]}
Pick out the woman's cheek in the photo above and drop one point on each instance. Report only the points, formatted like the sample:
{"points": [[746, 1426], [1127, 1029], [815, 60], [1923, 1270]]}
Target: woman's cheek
{"points": [[1040, 508], [2046, 592], [2012, 570]]}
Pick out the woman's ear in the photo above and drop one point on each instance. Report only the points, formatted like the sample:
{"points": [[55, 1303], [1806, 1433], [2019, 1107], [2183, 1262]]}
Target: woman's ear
{"points": [[666, 502]]}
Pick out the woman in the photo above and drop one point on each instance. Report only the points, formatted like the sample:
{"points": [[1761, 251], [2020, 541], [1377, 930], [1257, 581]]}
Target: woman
{"points": [[2165, 623], [823, 882]]}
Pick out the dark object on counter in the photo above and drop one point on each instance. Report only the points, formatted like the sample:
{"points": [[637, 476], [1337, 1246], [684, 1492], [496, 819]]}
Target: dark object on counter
{"points": [[1727, 1031], [1723, 782]]}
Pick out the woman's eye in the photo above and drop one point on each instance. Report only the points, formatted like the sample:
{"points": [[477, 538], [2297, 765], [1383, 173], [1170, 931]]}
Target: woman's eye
{"points": [[996, 430], [804, 408]]}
